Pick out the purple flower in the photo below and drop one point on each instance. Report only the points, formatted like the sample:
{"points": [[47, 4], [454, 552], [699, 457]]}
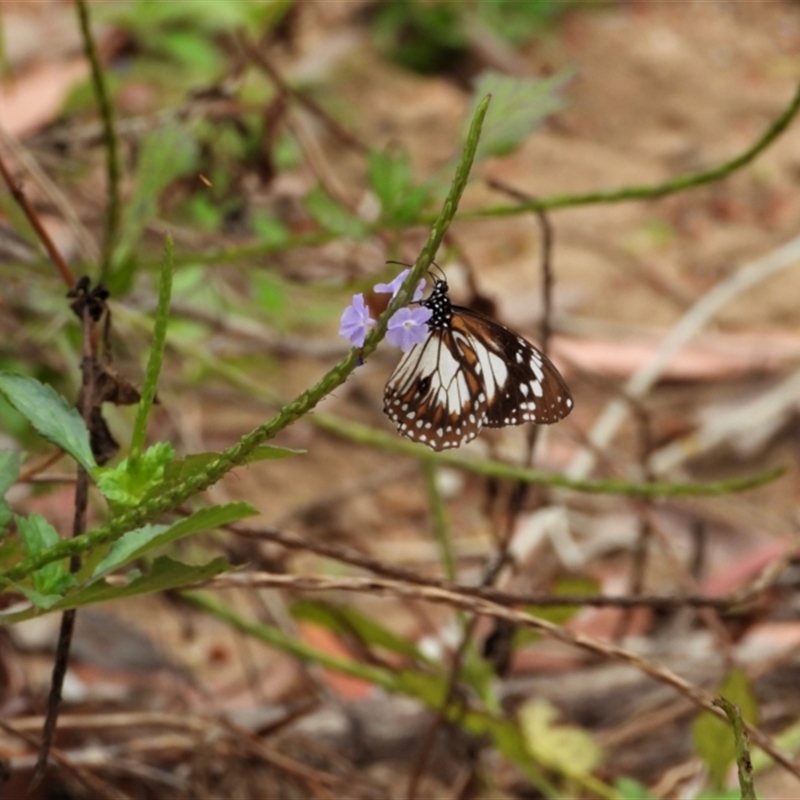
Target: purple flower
{"points": [[394, 286], [356, 321], [408, 327]]}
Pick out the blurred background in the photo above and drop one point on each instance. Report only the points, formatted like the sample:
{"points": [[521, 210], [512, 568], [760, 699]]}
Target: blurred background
{"points": [[291, 149]]}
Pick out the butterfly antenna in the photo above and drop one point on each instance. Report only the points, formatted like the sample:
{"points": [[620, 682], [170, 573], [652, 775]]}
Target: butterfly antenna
{"points": [[441, 271]]}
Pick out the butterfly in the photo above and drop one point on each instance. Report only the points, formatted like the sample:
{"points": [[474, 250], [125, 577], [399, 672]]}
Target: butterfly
{"points": [[470, 372]]}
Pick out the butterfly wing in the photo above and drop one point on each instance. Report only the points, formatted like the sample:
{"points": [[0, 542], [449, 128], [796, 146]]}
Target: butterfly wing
{"points": [[470, 371], [520, 383], [436, 395]]}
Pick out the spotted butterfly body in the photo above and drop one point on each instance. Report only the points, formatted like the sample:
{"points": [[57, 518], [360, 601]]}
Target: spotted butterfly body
{"points": [[470, 372]]}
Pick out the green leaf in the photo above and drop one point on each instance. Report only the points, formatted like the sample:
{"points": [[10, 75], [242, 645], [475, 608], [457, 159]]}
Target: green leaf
{"points": [[165, 154], [518, 107], [332, 216], [41, 600], [520, 22], [392, 181], [195, 51], [629, 789], [185, 468], [713, 737], [269, 293], [127, 484], [165, 574], [38, 535], [481, 676], [10, 463], [269, 229], [50, 414], [348, 621], [559, 615], [426, 37], [564, 748], [135, 544]]}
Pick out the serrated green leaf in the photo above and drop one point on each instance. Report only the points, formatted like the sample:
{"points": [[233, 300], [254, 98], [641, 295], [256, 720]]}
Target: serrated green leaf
{"points": [[10, 463], [50, 414], [193, 50], [127, 484], [392, 180], [38, 535], [565, 748], [629, 789], [519, 105], [183, 469], [40, 600], [165, 574], [713, 737], [348, 621], [165, 154], [332, 216], [135, 544]]}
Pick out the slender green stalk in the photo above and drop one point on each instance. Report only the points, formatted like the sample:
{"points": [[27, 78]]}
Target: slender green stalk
{"points": [[237, 454], [156, 354], [109, 134], [653, 192], [425, 688], [281, 641], [743, 763], [362, 434], [439, 526]]}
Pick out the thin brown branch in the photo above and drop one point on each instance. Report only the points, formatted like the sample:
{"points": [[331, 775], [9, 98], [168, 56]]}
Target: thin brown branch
{"points": [[478, 606], [67, 628], [97, 787], [347, 555], [257, 57], [33, 218]]}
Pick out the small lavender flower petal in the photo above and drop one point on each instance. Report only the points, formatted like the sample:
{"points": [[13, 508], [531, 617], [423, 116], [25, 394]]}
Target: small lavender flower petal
{"points": [[408, 327], [393, 287], [356, 322]]}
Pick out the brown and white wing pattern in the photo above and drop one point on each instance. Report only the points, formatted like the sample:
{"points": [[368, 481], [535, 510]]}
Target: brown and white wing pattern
{"points": [[435, 398], [521, 383], [469, 373]]}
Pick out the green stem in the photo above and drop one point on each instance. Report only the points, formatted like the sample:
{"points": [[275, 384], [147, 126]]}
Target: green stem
{"points": [[156, 355], [362, 434], [276, 638], [237, 454], [653, 192], [439, 526], [112, 219], [743, 761]]}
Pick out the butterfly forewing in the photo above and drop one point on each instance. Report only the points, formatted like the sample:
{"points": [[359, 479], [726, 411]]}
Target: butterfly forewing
{"points": [[522, 385], [470, 372]]}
